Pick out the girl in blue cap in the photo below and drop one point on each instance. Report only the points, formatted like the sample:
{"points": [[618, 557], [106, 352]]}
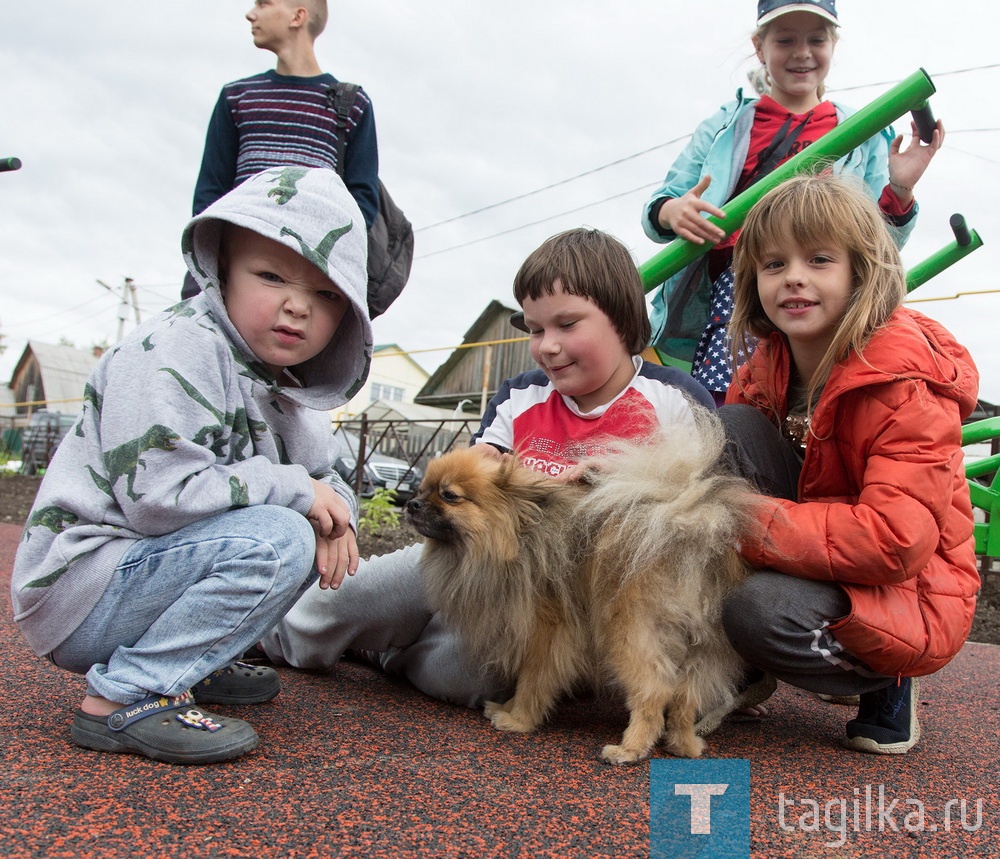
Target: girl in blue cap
{"points": [[794, 43]]}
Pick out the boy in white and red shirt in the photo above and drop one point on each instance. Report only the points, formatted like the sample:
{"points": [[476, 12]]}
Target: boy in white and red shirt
{"points": [[584, 309]]}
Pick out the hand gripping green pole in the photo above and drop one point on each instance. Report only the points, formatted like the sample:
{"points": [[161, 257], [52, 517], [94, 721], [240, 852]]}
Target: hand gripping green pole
{"points": [[907, 95]]}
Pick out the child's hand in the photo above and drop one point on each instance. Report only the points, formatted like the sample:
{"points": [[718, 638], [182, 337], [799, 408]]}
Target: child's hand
{"points": [[488, 450], [906, 167], [683, 215], [573, 474], [329, 514], [336, 556]]}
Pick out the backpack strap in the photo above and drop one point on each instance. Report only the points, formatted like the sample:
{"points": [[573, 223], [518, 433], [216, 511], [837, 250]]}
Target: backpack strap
{"points": [[771, 156], [343, 96]]}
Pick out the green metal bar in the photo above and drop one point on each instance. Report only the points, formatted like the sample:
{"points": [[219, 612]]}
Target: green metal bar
{"points": [[981, 430], [940, 260], [906, 95], [916, 276]]}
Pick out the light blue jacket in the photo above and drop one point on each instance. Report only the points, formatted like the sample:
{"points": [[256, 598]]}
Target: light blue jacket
{"points": [[718, 148]]}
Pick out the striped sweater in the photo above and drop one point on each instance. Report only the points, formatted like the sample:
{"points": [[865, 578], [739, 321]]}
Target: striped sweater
{"points": [[271, 120]]}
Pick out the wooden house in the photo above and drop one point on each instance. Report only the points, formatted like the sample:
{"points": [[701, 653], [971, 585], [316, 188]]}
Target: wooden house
{"points": [[491, 351], [51, 377]]}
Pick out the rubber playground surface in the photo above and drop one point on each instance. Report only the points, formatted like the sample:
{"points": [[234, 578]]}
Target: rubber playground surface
{"points": [[354, 764]]}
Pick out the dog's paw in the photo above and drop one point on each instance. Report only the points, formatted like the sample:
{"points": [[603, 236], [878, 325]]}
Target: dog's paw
{"points": [[619, 755], [505, 720], [686, 746], [491, 708]]}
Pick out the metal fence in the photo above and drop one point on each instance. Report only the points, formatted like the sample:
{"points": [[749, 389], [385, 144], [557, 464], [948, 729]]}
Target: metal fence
{"points": [[416, 442], [35, 443]]}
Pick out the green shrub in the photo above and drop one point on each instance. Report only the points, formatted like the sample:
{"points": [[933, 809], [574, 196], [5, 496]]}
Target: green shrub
{"points": [[379, 512]]}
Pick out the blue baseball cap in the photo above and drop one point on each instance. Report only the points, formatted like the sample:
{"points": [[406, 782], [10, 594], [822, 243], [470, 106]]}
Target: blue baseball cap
{"points": [[768, 10]]}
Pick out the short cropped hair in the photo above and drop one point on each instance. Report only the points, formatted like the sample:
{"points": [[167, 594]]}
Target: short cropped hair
{"points": [[596, 266], [317, 16]]}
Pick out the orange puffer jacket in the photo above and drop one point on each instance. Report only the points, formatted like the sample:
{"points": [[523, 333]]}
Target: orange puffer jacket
{"points": [[883, 503]]}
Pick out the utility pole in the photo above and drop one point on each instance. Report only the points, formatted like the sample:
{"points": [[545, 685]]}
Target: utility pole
{"points": [[128, 297]]}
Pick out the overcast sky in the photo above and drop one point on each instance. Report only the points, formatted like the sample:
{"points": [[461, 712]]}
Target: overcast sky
{"points": [[106, 104]]}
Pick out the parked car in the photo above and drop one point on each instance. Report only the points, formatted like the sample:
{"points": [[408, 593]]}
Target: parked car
{"points": [[41, 437], [379, 472]]}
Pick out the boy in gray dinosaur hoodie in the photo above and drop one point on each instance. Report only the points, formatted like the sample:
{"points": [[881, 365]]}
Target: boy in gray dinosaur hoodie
{"points": [[195, 497]]}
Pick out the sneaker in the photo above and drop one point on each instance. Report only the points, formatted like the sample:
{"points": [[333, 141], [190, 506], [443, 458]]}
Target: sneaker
{"points": [[365, 657], [256, 655], [384, 660], [887, 720], [238, 683], [844, 700]]}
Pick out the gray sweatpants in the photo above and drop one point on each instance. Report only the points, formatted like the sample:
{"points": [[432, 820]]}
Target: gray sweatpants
{"points": [[382, 609], [778, 622]]}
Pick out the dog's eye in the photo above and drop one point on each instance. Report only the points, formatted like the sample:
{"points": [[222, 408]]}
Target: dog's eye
{"points": [[450, 497]]}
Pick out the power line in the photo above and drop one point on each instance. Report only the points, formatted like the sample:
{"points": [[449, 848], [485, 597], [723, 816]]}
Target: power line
{"points": [[955, 296], [555, 184], [624, 194], [973, 154], [536, 223], [616, 196], [49, 317], [932, 76], [635, 155]]}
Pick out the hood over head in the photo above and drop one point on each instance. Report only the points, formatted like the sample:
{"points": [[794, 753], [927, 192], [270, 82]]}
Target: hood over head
{"points": [[310, 211]]}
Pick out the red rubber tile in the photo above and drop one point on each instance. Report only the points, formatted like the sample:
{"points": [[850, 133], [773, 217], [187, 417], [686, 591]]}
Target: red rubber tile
{"points": [[354, 764]]}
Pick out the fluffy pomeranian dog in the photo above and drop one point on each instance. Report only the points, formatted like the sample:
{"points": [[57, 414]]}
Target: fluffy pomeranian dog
{"points": [[616, 578]]}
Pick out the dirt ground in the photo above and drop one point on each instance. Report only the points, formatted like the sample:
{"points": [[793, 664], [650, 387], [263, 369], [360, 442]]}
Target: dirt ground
{"points": [[17, 492]]}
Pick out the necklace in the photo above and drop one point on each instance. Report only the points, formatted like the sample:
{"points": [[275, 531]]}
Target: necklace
{"points": [[796, 429]]}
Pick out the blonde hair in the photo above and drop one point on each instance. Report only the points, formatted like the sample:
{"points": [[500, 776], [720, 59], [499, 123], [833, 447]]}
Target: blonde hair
{"points": [[759, 79], [816, 211]]}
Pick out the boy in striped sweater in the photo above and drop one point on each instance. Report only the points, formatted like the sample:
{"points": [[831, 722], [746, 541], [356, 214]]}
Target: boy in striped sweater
{"points": [[286, 116]]}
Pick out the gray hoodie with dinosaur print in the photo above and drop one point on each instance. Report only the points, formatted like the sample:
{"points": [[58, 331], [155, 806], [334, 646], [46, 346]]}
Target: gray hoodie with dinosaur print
{"points": [[181, 421]]}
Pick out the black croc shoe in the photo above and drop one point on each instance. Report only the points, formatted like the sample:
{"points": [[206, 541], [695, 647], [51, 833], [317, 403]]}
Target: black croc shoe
{"points": [[238, 683], [172, 730]]}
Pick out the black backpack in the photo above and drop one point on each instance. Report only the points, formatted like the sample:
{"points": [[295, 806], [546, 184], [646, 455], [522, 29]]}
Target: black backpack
{"points": [[390, 238]]}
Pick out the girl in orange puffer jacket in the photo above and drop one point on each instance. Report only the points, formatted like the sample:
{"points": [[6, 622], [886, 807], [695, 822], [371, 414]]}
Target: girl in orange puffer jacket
{"points": [[848, 416]]}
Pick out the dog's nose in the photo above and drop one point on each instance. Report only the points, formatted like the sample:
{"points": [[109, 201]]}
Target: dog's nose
{"points": [[414, 505]]}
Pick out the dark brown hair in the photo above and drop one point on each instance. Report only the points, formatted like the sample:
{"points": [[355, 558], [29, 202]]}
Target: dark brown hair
{"points": [[595, 266]]}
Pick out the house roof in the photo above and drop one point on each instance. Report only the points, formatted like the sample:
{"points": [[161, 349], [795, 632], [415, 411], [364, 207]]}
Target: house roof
{"points": [[64, 371], [461, 375], [386, 410], [396, 348]]}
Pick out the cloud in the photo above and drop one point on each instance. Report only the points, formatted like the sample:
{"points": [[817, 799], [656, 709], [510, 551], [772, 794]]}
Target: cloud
{"points": [[475, 103]]}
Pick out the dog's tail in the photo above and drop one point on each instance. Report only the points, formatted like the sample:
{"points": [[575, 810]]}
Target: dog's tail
{"points": [[672, 498]]}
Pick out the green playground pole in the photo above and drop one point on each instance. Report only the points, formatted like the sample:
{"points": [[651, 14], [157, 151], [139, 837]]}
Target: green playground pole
{"points": [[940, 260], [907, 95]]}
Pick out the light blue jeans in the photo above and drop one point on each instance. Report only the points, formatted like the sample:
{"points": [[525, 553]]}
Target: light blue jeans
{"points": [[186, 604]]}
